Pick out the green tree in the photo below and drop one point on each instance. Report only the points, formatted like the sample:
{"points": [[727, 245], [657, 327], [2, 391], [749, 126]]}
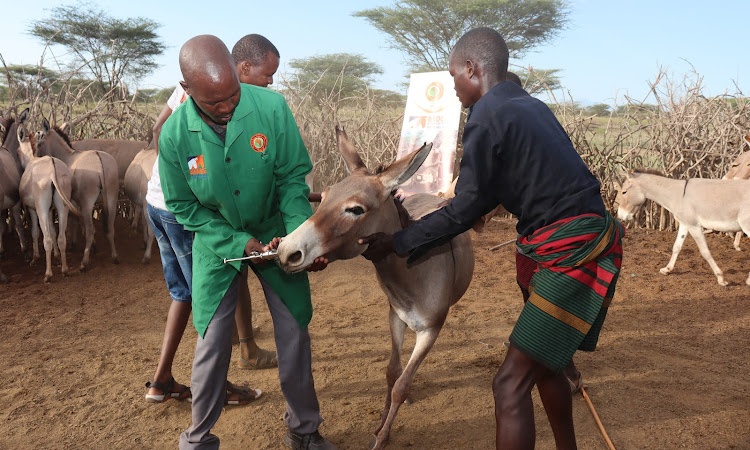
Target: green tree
{"points": [[599, 109], [337, 75], [112, 50], [427, 30], [538, 80]]}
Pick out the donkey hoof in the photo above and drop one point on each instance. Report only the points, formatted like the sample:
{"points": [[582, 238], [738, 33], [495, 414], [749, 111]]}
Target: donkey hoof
{"points": [[375, 445], [82, 268], [47, 279], [664, 270], [115, 260], [722, 282]]}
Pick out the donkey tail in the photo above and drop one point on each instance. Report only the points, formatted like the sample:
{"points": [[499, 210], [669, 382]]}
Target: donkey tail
{"points": [[61, 181]]}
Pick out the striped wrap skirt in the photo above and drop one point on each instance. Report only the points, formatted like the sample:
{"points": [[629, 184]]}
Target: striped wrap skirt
{"points": [[578, 260]]}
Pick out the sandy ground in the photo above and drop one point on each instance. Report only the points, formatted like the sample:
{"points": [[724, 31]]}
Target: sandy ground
{"points": [[670, 371]]}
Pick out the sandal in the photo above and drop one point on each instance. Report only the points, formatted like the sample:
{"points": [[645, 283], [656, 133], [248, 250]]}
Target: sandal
{"points": [[167, 390], [575, 386], [266, 359], [244, 394]]}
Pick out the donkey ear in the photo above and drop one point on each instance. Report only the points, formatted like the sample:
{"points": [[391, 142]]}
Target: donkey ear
{"points": [[24, 117], [45, 125], [66, 128], [21, 132], [401, 170], [347, 150]]}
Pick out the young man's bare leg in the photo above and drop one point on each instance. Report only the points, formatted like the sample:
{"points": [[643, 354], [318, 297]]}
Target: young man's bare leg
{"points": [[177, 317], [514, 410], [554, 391]]}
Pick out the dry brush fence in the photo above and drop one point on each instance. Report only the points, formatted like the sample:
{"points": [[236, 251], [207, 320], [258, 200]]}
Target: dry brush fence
{"points": [[680, 132], [684, 134]]}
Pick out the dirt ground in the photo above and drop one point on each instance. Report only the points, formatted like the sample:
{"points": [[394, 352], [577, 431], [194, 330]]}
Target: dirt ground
{"points": [[670, 371]]}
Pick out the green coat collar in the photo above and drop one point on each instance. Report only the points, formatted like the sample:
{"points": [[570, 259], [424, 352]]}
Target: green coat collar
{"points": [[195, 123]]}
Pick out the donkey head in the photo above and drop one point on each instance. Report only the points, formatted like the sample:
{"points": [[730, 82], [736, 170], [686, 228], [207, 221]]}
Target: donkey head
{"points": [[26, 145], [358, 205], [10, 126], [630, 197], [740, 168]]}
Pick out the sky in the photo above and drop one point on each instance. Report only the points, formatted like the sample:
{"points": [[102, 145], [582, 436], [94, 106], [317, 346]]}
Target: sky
{"points": [[608, 49]]}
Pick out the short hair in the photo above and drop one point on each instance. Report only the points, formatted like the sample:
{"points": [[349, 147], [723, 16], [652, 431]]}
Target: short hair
{"points": [[510, 76], [253, 48], [486, 46]]}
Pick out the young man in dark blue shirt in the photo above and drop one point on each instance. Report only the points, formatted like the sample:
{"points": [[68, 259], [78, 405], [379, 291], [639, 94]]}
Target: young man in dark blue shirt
{"points": [[517, 154]]}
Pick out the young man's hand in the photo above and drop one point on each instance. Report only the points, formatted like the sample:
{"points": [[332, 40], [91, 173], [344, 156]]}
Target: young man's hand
{"points": [[379, 245]]}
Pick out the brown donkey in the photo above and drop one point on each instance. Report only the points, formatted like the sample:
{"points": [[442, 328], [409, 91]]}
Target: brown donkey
{"points": [[420, 294]]}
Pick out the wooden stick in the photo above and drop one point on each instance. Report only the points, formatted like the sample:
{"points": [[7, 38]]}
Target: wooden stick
{"points": [[502, 245], [596, 418]]}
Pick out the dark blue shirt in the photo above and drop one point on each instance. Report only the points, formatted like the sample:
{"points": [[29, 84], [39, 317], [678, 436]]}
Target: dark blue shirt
{"points": [[516, 154]]}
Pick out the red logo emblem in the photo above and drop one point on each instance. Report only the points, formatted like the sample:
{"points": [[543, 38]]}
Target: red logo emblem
{"points": [[259, 142]]}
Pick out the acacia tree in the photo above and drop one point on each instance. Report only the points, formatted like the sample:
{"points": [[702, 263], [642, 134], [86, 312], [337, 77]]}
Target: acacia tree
{"points": [[337, 74], [111, 49], [427, 30]]}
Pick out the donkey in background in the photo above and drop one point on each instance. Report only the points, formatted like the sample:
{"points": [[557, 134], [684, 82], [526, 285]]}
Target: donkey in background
{"points": [[10, 179], [696, 203], [94, 172], [739, 170], [45, 180], [419, 295]]}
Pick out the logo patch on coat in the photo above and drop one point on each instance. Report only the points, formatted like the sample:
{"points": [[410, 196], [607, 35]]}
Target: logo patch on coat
{"points": [[197, 167], [259, 142]]}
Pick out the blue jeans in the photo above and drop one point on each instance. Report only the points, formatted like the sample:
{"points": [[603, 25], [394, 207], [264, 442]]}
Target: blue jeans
{"points": [[176, 250]]}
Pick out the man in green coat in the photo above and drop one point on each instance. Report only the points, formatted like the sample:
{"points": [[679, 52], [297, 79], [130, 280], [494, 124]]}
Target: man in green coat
{"points": [[232, 166]]}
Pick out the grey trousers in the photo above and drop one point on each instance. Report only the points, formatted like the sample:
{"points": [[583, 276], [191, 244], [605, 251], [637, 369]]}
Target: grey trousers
{"points": [[213, 353]]}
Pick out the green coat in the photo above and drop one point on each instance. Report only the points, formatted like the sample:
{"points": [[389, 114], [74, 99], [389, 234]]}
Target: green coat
{"points": [[251, 186]]}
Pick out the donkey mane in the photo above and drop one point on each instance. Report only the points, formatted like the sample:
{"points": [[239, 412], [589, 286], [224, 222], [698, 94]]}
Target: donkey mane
{"points": [[63, 135], [649, 171]]}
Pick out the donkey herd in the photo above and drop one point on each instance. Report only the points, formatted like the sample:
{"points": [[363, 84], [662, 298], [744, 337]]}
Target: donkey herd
{"points": [[38, 170], [44, 169]]}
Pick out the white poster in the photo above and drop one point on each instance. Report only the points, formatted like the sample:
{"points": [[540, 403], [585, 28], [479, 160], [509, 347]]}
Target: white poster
{"points": [[432, 114]]}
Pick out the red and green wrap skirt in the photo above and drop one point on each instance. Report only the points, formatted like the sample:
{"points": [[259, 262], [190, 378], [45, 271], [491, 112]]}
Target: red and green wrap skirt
{"points": [[579, 260]]}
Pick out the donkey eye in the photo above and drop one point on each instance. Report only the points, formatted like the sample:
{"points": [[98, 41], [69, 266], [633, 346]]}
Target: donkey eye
{"points": [[356, 210], [624, 192]]}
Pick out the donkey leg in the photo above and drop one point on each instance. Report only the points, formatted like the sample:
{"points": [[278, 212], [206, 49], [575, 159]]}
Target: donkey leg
{"points": [[424, 341], [394, 370], [62, 221], [682, 233], [88, 223], [53, 236], [16, 213], [34, 234], [2, 232], [737, 239], [744, 221], [110, 212], [148, 238], [49, 244], [700, 239]]}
